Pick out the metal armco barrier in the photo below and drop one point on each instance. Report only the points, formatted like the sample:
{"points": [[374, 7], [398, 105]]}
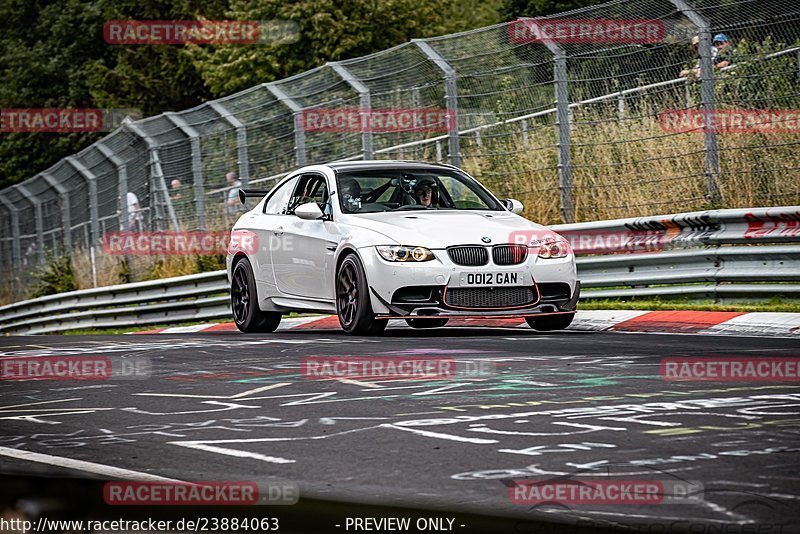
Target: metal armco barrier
{"points": [[706, 254]]}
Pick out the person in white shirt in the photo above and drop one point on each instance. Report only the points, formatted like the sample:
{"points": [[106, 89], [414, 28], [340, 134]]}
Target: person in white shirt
{"points": [[134, 213], [233, 205]]}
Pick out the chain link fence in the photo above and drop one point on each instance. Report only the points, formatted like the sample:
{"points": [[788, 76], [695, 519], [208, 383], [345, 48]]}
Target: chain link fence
{"points": [[576, 128]]}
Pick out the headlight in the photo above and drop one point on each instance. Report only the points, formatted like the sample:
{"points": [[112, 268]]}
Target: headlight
{"points": [[557, 248], [404, 253]]}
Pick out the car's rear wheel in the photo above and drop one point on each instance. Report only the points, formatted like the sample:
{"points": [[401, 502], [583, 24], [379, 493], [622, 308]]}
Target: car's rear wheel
{"points": [[352, 300], [244, 302], [426, 323], [554, 322]]}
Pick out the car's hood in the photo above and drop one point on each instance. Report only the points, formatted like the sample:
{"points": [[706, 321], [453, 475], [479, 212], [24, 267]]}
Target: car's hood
{"points": [[441, 229]]}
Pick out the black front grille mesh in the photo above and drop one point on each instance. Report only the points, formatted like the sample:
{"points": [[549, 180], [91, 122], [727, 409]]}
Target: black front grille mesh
{"points": [[485, 297], [469, 255], [509, 254]]}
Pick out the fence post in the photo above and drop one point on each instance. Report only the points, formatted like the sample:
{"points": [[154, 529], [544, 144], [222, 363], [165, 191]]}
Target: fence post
{"points": [[37, 213], [197, 166], [66, 217], [122, 179], [365, 103], [450, 95], [563, 130], [524, 130], [16, 248], [91, 181], [241, 140], [297, 110], [707, 101], [156, 173]]}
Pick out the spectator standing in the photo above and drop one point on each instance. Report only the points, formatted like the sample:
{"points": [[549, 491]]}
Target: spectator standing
{"points": [[181, 203], [232, 207], [134, 213], [722, 52], [695, 70]]}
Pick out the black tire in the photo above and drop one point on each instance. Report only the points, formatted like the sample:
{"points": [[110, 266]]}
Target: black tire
{"points": [[426, 323], [244, 302], [554, 322], [352, 300]]}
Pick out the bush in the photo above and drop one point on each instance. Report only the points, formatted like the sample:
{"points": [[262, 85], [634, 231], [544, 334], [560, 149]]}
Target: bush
{"points": [[56, 276]]}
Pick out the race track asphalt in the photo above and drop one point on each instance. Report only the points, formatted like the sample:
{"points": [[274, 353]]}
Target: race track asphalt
{"points": [[586, 406]]}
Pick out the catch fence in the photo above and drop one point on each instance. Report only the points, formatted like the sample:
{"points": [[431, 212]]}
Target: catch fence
{"points": [[579, 127]]}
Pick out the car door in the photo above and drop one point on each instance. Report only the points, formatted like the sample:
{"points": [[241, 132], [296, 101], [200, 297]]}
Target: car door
{"points": [[303, 256], [266, 225]]}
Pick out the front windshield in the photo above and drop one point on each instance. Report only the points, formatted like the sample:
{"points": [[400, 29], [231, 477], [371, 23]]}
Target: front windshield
{"points": [[371, 191]]}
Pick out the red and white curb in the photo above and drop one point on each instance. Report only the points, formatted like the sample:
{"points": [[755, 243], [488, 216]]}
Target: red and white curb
{"points": [[695, 322]]}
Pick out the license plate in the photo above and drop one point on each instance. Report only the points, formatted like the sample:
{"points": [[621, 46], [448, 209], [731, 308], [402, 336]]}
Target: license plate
{"points": [[491, 279]]}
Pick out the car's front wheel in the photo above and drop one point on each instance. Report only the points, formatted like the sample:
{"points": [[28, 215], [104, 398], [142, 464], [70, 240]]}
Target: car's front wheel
{"points": [[352, 299], [554, 322], [244, 302], [426, 323]]}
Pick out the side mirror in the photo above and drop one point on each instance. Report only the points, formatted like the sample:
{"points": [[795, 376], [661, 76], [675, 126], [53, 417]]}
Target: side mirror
{"points": [[308, 211], [512, 205]]}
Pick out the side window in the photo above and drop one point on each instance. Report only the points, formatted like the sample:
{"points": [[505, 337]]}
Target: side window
{"points": [[276, 203], [310, 188]]}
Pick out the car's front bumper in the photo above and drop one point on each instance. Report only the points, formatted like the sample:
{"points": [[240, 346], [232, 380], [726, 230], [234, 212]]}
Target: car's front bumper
{"points": [[432, 310], [387, 280]]}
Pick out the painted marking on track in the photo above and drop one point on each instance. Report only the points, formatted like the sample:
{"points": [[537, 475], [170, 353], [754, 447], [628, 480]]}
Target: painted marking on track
{"points": [[439, 435], [62, 410], [358, 383], [208, 445], [237, 453], [236, 396], [81, 465], [417, 413], [42, 402], [35, 418], [226, 406]]}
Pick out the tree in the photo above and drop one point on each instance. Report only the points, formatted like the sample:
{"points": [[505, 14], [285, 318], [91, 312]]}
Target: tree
{"points": [[52, 54], [330, 30], [513, 9]]}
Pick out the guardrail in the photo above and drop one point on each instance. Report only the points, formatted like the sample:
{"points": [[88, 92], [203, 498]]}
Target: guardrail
{"points": [[704, 254]]}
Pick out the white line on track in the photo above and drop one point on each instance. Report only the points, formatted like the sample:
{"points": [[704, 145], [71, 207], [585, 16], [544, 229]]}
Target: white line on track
{"points": [[439, 435], [107, 471], [237, 453], [236, 396]]}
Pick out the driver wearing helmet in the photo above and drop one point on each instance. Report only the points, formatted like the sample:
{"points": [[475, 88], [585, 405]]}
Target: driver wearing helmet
{"points": [[427, 192]]}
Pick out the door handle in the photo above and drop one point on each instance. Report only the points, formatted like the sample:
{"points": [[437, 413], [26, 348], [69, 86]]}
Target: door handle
{"points": [[278, 230]]}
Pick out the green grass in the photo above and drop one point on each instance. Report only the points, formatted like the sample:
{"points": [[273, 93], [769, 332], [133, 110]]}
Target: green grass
{"points": [[128, 330], [771, 305], [142, 328]]}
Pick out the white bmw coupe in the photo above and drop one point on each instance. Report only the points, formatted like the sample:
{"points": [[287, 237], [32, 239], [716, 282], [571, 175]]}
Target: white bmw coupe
{"points": [[377, 240]]}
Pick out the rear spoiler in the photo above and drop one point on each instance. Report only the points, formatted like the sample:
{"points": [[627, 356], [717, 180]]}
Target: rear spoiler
{"points": [[244, 194]]}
